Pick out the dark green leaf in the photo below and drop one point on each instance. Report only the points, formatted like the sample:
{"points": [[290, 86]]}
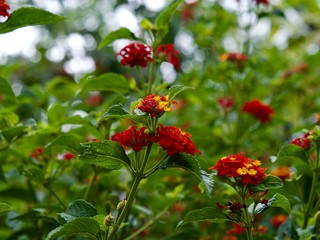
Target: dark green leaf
{"points": [[107, 154], [34, 215], [118, 112], [212, 214], [35, 174], [281, 201], [191, 164], [176, 89], [15, 132], [76, 227], [79, 208], [115, 35], [68, 141], [4, 207], [107, 82], [28, 16], [270, 182]]}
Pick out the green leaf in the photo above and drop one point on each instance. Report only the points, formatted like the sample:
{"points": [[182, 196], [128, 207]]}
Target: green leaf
{"points": [[76, 227], [270, 182], [118, 112], [107, 82], [294, 156], [68, 141], [212, 214], [6, 91], [108, 154], [281, 201], [115, 35], [28, 16], [100, 219], [56, 113], [35, 215], [35, 174], [15, 132], [79, 208], [175, 90], [191, 164], [164, 18], [4, 207]]}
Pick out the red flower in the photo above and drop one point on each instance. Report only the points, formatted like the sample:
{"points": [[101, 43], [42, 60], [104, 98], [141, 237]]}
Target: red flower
{"points": [[225, 103], [169, 54], [94, 100], [154, 105], [240, 167], [278, 219], [303, 142], [174, 140], [187, 11], [136, 139], [135, 54], [236, 230], [4, 9], [264, 2], [1, 98], [261, 111], [68, 156], [234, 57]]}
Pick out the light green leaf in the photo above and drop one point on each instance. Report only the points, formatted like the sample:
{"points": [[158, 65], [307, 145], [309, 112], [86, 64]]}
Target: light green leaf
{"points": [[79, 208], [68, 141], [115, 35], [4, 207], [164, 18], [212, 214], [28, 16], [79, 226], [270, 182], [175, 90], [108, 154], [281, 201], [35, 174], [56, 113], [100, 219], [118, 112], [107, 82], [191, 164]]}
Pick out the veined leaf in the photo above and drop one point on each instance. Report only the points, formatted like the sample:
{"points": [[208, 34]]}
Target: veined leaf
{"points": [[118, 112], [115, 35], [212, 214], [281, 201], [176, 89], [4, 207], [107, 82], [270, 182], [191, 164], [28, 16], [108, 154], [79, 226], [79, 208]]}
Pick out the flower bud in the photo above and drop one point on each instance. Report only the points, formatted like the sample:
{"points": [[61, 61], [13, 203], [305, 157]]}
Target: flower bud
{"points": [[108, 220], [121, 204]]}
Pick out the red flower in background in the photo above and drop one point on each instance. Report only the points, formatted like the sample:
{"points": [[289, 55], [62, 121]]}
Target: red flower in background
{"points": [[134, 138], [264, 2], [278, 219], [282, 172], [4, 9], [187, 11], [236, 230], [174, 140], [225, 103], [234, 57], [68, 156], [169, 54], [303, 142], [154, 105], [261, 111], [135, 54], [240, 167]]}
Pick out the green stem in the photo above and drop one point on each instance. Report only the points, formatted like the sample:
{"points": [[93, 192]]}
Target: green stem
{"points": [[63, 206], [151, 78], [156, 166], [142, 79], [247, 218], [88, 194]]}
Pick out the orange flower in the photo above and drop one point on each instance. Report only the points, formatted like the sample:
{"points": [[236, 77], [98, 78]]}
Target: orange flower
{"points": [[282, 172], [233, 57], [278, 219]]}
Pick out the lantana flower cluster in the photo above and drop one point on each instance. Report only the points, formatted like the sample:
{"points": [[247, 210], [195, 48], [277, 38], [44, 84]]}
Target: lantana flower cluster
{"points": [[4, 7], [154, 105], [303, 142], [260, 110], [241, 168], [139, 55]]}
